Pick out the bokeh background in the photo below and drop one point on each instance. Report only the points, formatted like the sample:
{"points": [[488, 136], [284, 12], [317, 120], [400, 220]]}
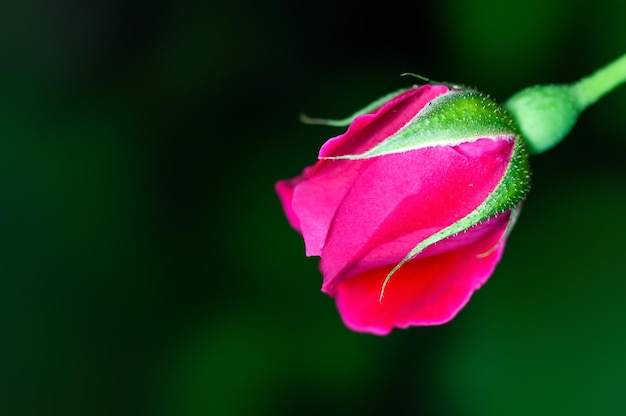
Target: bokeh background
{"points": [[146, 266]]}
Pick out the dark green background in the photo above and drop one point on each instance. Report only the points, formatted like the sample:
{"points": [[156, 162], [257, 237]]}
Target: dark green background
{"points": [[146, 266]]}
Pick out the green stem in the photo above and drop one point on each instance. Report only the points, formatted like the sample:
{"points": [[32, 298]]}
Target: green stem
{"points": [[590, 89]]}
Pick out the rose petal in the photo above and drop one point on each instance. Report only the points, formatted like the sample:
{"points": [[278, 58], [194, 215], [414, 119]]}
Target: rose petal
{"points": [[425, 291], [284, 189], [314, 199], [311, 199], [401, 199]]}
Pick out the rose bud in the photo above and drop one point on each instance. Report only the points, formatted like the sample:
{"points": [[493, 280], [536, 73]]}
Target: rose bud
{"points": [[410, 208]]}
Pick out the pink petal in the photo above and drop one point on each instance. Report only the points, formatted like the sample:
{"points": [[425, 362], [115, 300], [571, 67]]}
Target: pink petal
{"points": [[314, 199], [311, 199], [426, 291], [401, 199], [284, 189]]}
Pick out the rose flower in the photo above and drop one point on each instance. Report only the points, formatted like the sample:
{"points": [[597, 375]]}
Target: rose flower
{"points": [[410, 208]]}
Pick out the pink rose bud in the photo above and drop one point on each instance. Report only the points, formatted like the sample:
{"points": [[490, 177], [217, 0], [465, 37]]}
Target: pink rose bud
{"points": [[410, 208]]}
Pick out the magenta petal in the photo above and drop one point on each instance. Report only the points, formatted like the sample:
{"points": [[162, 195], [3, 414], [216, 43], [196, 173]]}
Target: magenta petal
{"points": [[284, 189], [311, 199], [426, 291], [401, 199], [315, 197]]}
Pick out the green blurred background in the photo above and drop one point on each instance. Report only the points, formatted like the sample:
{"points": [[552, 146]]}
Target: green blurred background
{"points": [[146, 266]]}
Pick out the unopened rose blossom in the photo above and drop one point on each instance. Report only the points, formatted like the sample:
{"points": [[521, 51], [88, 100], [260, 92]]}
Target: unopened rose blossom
{"points": [[409, 209]]}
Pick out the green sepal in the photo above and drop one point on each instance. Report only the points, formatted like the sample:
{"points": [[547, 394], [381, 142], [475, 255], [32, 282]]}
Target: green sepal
{"points": [[508, 194], [348, 120], [452, 118]]}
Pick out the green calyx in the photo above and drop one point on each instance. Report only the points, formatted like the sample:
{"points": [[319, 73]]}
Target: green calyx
{"points": [[450, 119], [511, 190]]}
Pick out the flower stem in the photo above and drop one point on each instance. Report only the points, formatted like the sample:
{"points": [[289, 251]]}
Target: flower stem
{"points": [[590, 89]]}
